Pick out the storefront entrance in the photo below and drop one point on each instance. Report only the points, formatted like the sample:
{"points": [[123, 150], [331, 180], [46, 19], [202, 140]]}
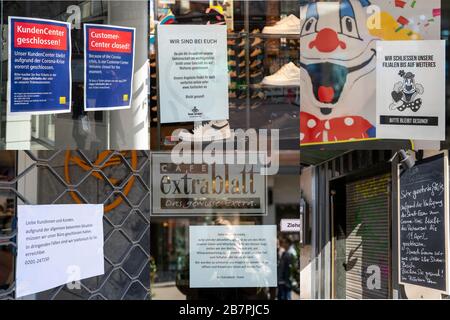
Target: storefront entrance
{"points": [[360, 219]]}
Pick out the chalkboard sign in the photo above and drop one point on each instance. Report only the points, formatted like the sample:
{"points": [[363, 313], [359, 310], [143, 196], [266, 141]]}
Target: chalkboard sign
{"points": [[423, 224]]}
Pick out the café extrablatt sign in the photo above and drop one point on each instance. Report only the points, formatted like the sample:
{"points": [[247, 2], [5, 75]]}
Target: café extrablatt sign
{"points": [[201, 188]]}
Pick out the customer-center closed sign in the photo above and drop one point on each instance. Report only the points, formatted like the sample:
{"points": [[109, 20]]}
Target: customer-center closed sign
{"points": [[39, 57], [109, 67], [193, 74]]}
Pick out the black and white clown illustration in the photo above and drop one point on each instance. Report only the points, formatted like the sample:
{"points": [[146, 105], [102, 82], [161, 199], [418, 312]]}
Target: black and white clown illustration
{"points": [[405, 93]]}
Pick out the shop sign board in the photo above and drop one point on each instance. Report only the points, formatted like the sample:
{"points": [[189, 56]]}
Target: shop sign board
{"points": [[338, 63], [108, 67], [423, 224], [411, 90], [39, 66], [232, 256], [192, 73], [57, 244], [195, 189]]}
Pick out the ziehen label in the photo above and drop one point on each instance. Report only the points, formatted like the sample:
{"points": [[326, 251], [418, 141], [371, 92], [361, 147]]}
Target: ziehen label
{"points": [[198, 189]]}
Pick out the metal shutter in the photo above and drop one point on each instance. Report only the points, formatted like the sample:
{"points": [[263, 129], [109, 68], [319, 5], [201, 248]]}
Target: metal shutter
{"points": [[368, 237]]}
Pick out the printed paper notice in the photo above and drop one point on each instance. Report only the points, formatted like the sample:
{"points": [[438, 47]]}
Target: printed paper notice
{"points": [[58, 244], [39, 66], [232, 256], [193, 73], [411, 90]]}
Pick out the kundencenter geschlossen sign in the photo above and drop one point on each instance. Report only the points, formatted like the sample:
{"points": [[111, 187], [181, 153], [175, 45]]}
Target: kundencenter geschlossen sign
{"points": [[39, 66], [108, 67]]}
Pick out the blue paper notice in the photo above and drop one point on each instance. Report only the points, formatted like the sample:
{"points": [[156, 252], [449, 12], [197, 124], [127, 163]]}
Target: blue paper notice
{"points": [[39, 57]]}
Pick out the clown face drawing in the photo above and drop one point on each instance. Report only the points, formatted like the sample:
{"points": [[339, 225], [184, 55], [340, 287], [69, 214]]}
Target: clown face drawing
{"points": [[338, 60], [405, 93]]}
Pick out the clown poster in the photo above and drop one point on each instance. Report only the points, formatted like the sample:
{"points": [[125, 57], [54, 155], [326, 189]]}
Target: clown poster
{"points": [[338, 56], [411, 90]]}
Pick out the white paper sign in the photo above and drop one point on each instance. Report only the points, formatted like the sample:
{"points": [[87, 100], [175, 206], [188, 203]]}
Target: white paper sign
{"points": [[58, 244], [233, 256], [290, 225], [192, 73], [411, 90]]}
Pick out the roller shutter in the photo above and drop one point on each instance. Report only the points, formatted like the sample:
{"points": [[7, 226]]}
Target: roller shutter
{"points": [[368, 238]]}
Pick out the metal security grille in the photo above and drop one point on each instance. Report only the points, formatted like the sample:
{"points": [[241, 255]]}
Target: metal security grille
{"points": [[367, 243], [119, 180]]}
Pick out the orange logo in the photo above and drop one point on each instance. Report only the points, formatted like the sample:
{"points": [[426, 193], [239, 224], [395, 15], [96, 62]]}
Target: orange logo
{"points": [[71, 158]]}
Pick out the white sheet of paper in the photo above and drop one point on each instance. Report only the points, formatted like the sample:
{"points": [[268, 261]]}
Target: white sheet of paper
{"points": [[411, 90], [232, 256], [193, 72], [58, 244]]}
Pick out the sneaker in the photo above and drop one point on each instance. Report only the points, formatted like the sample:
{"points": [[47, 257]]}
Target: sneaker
{"points": [[242, 96], [288, 75], [255, 63], [258, 94], [210, 131], [256, 52], [255, 105], [256, 42], [256, 74], [288, 25]]}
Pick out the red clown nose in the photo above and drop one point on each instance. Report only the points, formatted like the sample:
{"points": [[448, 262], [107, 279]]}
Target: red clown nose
{"points": [[327, 41]]}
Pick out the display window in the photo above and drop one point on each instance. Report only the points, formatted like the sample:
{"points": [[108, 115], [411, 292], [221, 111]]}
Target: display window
{"points": [[41, 110], [262, 53], [219, 69]]}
